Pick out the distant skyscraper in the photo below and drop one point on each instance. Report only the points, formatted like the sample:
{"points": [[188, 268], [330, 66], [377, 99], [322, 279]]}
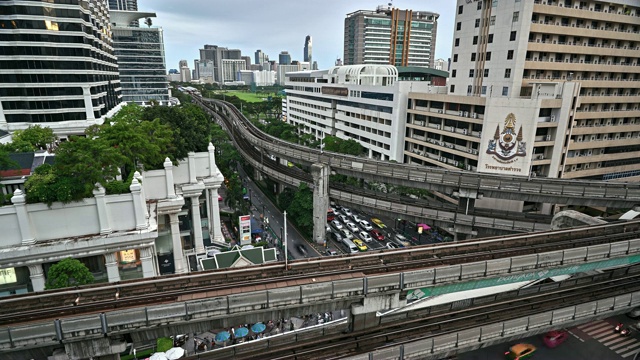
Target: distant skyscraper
{"points": [[440, 64], [42, 84], [314, 66], [260, 57], [307, 49], [284, 58], [390, 36], [247, 59], [216, 54]]}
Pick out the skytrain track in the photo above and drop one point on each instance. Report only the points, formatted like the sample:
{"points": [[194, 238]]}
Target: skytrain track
{"points": [[137, 293]]}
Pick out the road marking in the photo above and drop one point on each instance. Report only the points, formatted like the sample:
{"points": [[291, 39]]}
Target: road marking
{"points": [[600, 332], [587, 325], [625, 343], [614, 341], [597, 326], [630, 353], [616, 335], [575, 336], [626, 349]]}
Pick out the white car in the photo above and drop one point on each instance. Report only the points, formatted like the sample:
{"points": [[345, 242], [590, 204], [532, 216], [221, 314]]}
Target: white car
{"points": [[353, 227], [346, 211], [344, 218], [346, 234], [365, 225], [336, 224], [356, 218], [365, 236], [391, 245]]}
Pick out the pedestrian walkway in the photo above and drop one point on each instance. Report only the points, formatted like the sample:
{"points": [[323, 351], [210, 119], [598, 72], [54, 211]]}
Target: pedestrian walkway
{"points": [[603, 332]]}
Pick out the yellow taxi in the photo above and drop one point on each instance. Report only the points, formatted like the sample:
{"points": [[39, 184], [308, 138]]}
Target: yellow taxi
{"points": [[520, 351], [378, 222], [360, 245]]}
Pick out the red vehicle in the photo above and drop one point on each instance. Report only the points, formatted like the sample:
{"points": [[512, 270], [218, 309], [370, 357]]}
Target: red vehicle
{"points": [[330, 215], [555, 338], [376, 234]]}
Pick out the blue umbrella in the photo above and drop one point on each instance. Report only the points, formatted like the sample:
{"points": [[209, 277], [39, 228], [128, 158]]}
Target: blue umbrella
{"points": [[222, 336], [242, 332], [258, 327]]}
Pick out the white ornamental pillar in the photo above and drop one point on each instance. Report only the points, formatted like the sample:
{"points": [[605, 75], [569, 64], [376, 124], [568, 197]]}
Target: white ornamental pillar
{"points": [[178, 256], [137, 176], [111, 262], [19, 201], [138, 205], [192, 168], [37, 277], [197, 224], [168, 176], [103, 214], [146, 257], [215, 223]]}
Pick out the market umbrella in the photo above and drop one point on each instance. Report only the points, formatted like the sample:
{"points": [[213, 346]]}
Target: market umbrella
{"points": [[242, 332], [424, 226], [158, 356], [174, 353], [222, 336], [258, 327]]}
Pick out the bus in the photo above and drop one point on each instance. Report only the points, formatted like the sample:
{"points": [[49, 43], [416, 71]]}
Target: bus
{"points": [[330, 215]]}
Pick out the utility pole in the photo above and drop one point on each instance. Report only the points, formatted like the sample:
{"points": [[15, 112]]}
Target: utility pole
{"points": [[286, 255]]}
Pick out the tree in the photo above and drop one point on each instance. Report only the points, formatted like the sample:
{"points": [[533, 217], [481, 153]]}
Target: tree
{"points": [[301, 209], [68, 272], [31, 139], [148, 22], [349, 147]]}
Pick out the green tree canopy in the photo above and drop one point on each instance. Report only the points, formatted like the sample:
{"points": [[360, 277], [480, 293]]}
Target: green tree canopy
{"points": [[33, 138], [68, 272], [349, 147], [301, 209]]}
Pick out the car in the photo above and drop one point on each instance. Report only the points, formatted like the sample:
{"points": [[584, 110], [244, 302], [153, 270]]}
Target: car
{"points": [[336, 236], [376, 234], [520, 351], [346, 234], [402, 240], [378, 223], [356, 217], [365, 236], [219, 197], [302, 250], [391, 245], [353, 227], [555, 338], [331, 252], [343, 218], [635, 313], [336, 224], [346, 211], [365, 225], [361, 246]]}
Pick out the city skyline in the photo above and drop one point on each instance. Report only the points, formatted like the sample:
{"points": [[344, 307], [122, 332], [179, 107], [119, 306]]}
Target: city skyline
{"points": [[187, 30]]}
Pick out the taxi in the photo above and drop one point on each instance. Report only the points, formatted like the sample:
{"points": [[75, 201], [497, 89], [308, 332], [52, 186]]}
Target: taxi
{"points": [[361, 246], [378, 223], [520, 351]]}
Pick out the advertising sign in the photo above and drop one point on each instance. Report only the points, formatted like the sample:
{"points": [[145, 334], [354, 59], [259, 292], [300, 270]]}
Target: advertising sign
{"points": [[128, 256], [8, 276], [245, 229]]}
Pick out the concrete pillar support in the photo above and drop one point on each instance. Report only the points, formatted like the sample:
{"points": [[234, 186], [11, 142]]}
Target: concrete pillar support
{"points": [[364, 315], [320, 173], [168, 175], [88, 103], [37, 277], [103, 214], [111, 262], [197, 224], [19, 201], [178, 256], [146, 257]]}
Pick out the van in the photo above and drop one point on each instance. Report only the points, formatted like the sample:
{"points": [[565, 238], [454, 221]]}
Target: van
{"points": [[336, 236], [353, 249]]}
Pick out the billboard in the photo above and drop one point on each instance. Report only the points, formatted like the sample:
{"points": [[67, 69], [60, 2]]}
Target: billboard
{"points": [[245, 229]]}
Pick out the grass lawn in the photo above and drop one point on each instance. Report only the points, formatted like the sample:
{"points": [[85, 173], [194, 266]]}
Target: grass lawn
{"points": [[246, 96]]}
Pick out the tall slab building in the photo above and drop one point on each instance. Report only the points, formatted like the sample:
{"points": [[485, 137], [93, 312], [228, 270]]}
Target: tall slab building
{"points": [[57, 64], [390, 36]]}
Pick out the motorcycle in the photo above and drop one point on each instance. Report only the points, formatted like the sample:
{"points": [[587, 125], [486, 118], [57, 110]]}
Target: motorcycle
{"points": [[619, 327], [179, 340], [625, 332]]}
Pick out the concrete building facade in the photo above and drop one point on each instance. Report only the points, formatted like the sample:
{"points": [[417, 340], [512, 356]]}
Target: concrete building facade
{"points": [[390, 36], [68, 82], [511, 49], [230, 69]]}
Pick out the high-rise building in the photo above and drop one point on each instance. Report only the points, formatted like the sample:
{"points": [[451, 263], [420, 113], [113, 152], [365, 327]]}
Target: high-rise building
{"points": [[196, 69], [308, 50], [523, 49], [230, 69], [440, 64], [185, 72], [260, 57], [284, 58], [390, 36], [66, 82], [216, 54], [140, 52], [247, 60]]}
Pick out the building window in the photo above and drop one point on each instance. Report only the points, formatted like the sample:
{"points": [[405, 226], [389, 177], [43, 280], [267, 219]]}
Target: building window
{"points": [[459, 26], [484, 90], [475, 39], [471, 73], [488, 56], [507, 73], [473, 56], [469, 89], [477, 23], [452, 88], [457, 42], [494, 3], [460, 9], [486, 72], [512, 37], [516, 15], [490, 41], [510, 55], [479, 5], [455, 57], [453, 73], [505, 90], [493, 20]]}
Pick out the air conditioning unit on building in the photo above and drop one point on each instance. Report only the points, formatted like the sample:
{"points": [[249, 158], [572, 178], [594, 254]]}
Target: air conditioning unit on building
{"points": [[466, 114], [461, 113], [439, 111], [540, 157], [573, 168], [450, 146], [548, 138], [469, 151], [579, 138], [553, 118], [464, 131], [475, 116], [589, 153], [438, 127]]}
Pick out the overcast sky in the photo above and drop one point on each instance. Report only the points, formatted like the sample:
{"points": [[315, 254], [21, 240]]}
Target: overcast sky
{"points": [[274, 26]]}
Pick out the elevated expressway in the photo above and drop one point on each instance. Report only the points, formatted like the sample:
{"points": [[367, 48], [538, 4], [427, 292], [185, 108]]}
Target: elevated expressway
{"points": [[365, 284], [465, 184]]}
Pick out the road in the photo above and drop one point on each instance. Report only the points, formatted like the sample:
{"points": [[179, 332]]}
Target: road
{"points": [[593, 340]]}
